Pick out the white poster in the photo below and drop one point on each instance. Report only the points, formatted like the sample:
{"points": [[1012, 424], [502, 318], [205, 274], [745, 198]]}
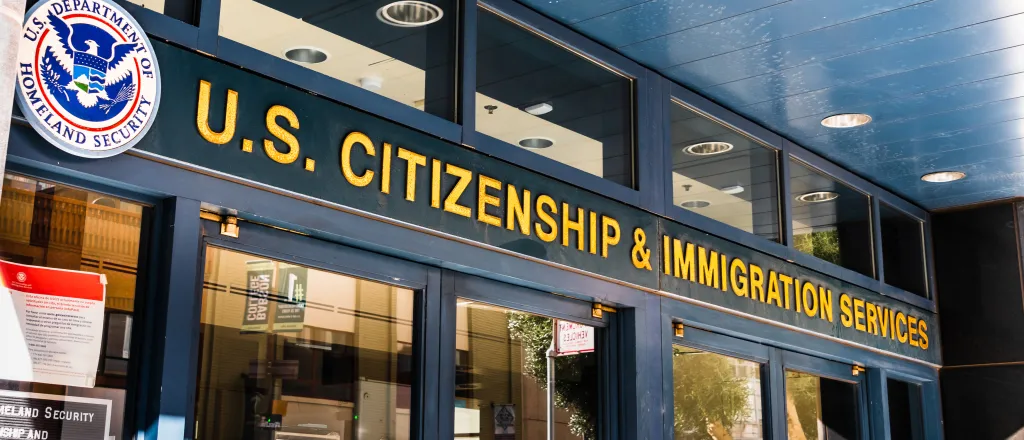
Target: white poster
{"points": [[51, 324], [573, 338]]}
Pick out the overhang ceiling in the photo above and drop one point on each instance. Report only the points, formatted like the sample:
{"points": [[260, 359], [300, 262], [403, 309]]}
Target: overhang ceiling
{"points": [[942, 79]]}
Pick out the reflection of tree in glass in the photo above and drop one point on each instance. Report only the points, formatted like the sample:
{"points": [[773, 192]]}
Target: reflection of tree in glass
{"points": [[802, 406], [709, 397], [821, 244], [575, 379]]}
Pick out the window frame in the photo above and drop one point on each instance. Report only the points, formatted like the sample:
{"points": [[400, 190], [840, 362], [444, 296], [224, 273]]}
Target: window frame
{"points": [[283, 245], [643, 139], [828, 369], [455, 285]]}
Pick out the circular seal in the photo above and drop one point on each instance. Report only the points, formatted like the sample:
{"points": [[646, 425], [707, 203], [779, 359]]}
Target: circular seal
{"points": [[88, 80], [22, 277]]}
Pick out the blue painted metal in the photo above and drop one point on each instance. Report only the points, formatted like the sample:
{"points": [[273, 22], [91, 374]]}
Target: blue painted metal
{"points": [[941, 78]]}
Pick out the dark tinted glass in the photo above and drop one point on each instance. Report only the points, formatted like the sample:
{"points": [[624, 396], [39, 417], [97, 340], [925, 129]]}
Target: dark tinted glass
{"points": [[401, 52], [818, 408], [903, 250], [722, 174], [535, 94], [830, 220], [905, 420]]}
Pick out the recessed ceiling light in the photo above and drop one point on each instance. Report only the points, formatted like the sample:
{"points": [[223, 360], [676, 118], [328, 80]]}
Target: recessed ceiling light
{"points": [[708, 148], [536, 143], [539, 109], [409, 13], [818, 196], [695, 204], [943, 176], [733, 190], [306, 55], [846, 120]]}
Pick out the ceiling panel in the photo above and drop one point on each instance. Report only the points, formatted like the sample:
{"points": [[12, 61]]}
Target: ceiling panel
{"points": [[941, 78]]}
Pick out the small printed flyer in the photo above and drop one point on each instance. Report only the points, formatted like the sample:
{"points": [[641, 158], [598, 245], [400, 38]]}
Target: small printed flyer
{"points": [[52, 322]]}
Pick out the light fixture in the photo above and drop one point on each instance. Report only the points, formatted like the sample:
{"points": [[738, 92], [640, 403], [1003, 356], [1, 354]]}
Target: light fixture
{"points": [[818, 196], [372, 83], [306, 55], [943, 176], [536, 143], [846, 120], [707, 148], [695, 204], [409, 13], [733, 190], [539, 109]]}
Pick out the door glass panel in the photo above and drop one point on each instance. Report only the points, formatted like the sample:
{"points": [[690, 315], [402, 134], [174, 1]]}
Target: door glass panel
{"points": [[905, 420], [819, 408], [58, 226], [716, 396], [501, 365], [291, 352]]}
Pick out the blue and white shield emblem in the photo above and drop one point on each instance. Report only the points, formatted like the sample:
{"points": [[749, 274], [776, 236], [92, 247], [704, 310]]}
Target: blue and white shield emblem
{"points": [[88, 80]]}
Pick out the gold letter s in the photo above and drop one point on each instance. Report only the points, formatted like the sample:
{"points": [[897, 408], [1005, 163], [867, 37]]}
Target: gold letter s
{"points": [[282, 134], [203, 115]]}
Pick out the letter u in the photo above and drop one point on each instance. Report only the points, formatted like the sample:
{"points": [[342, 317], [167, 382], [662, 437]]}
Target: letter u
{"points": [[203, 115]]}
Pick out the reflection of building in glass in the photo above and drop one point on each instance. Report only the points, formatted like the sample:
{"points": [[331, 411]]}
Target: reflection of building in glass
{"points": [[493, 367]]}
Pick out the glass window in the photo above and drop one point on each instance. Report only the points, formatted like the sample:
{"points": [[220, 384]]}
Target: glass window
{"points": [[501, 365], [722, 174], [903, 250], [831, 220], [905, 417], [538, 95], [716, 396], [52, 225], [818, 408], [290, 353], [169, 7], [399, 49]]}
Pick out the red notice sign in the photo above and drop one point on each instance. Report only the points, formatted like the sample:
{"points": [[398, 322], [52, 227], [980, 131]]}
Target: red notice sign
{"points": [[572, 338], [51, 324]]}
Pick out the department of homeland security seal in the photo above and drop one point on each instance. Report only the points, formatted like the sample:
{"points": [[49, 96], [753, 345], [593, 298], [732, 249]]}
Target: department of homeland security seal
{"points": [[88, 79]]}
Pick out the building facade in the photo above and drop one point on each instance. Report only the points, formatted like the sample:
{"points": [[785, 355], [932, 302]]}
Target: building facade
{"points": [[365, 220]]}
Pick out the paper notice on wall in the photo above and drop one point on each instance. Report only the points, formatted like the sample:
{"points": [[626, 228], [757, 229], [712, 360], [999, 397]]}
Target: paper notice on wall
{"points": [[51, 324]]}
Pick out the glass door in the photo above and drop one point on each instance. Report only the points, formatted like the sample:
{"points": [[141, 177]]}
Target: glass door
{"points": [[504, 338], [824, 400], [304, 339]]}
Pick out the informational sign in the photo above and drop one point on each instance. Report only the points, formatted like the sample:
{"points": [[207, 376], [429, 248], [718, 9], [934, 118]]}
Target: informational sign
{"points": [[51, 323], [290, 304], [572, 338], [504, 421], [52, 417], [256, 316]]}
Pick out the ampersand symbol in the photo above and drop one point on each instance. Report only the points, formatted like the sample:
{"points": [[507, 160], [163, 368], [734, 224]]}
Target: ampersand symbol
{"points": [[641, 255]]}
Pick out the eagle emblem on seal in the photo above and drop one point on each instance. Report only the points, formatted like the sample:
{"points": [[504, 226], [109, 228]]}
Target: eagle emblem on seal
{"points": [[92, 65]]}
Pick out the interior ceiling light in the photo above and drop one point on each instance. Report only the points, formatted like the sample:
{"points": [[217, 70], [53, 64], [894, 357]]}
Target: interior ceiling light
{"points": [[818, 196], [846, 120], [695, 204], [943, 176], [306, 55], [539, 109], [409, 13], [708, 148], [733, 190], [536, 143]]}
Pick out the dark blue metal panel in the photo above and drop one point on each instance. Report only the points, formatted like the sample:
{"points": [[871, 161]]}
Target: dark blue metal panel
{"points": [[171, 408]]}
